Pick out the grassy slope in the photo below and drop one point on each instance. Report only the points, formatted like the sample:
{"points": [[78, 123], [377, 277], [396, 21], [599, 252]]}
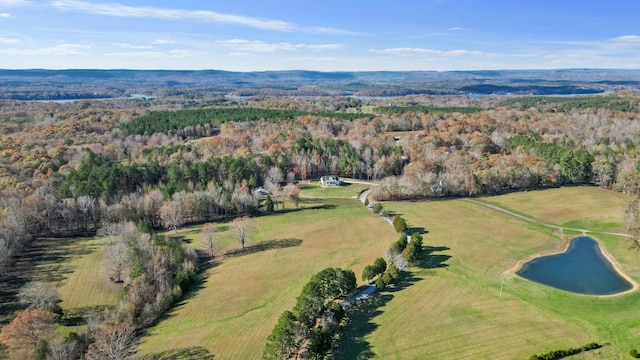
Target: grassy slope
{"points": [[455, 311], [242, 296]]}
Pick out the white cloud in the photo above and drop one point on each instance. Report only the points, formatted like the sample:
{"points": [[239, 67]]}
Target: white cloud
{"points": [[6, 40], [241, 45], [406, 51], [58, 50], [132, 46], [175, 53], [162, 42], [120, 10], [114, 9], [15, 3], [5, 15]]}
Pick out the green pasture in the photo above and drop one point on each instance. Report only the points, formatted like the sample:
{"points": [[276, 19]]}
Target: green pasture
{"points": [[234, 308], [312, 189], [460, 301], [451, 306]]}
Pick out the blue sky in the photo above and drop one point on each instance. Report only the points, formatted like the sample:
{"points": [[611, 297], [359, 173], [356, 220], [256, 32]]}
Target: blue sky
{"points": [[325, 35]]}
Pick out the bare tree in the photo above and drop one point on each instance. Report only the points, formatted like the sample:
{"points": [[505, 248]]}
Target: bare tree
{"points": [[241, 228], [6, 252], [114, 342], [109, 233], [632, 221], [116, 261], [172, 215], [210, 238], [39, 295]]}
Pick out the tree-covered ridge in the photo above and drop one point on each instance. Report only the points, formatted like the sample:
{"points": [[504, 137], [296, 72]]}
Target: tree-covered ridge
{"points": [[560, 103], [427, 109], [166, 121]]}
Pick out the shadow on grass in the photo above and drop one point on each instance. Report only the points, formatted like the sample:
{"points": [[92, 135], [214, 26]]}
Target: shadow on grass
{"points": [[293, 210], [264, 246], [353, 343], [44, 259], [417, 229], [190, 353]]}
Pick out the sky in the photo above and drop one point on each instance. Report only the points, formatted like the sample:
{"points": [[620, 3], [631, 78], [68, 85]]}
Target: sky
{"points": [[323, 35]]}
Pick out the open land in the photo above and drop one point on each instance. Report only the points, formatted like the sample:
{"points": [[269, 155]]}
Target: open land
{"points": [[450, 305]]}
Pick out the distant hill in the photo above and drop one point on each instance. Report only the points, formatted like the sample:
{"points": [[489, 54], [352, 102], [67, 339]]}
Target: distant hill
{"points": [[42, 83]]}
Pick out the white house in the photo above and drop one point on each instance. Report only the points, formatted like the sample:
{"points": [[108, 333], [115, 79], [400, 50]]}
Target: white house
{"points": [[330, 180]]}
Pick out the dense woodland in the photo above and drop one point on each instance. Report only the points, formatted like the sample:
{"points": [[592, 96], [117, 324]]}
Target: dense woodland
{"points": [[78, 168]]}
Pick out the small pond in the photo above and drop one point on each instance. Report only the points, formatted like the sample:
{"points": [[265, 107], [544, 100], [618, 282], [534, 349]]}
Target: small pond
{"points": [[582, 269]]}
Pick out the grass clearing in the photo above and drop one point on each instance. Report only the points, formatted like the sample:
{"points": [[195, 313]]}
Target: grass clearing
{"points": [[347, 190], [449, 307], [456, 311], [241, 297], [591, 206]]}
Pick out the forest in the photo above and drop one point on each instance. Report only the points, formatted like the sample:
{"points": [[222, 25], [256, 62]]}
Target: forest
{"points": [[81, 168]]}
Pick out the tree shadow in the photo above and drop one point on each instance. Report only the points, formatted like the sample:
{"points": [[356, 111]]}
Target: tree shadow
{"points": [[264, 246], [190, 353], [40, 260], [293, 210], [353, 344], [77, 316], [429, 260], [417, 229]]}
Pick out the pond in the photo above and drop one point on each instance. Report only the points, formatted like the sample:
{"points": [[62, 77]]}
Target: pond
{"points": [[582, 269]]}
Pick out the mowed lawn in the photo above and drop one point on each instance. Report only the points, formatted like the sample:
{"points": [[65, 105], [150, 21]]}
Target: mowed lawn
{"points": [[457, 311], [595, 208], [242, 296], [346, 190]]}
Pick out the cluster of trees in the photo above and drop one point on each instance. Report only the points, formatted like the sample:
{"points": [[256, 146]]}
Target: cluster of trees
{"points": [[315, 301], [202, 122], [155, 271]]}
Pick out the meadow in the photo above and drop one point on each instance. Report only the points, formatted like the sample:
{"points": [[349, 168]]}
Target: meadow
{"points": [[241, 297], [475, 308], [459, 301]]}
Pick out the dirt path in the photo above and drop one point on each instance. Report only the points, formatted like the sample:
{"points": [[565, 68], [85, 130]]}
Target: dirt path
{"points": [[532, 220]]}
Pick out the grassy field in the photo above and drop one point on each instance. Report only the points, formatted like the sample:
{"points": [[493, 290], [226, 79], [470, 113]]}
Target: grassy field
{"points": [[241, 297], [450, 306], [457, 311], [347, 190], [73, 265]]}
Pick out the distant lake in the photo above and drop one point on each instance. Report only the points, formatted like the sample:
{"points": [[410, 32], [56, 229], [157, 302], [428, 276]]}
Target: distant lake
{"points": [[582, 269], [130, 97]]}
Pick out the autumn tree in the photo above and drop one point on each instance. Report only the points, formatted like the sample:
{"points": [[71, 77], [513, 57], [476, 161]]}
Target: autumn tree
{"points": [[27, 329], [241, 228], [114, 342], [293, 192]]}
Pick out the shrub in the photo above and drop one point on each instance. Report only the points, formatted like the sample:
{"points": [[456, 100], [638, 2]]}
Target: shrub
{"points": [[377, 207], [366, 202], [634, 353], [380, 285], [387, 278], [399, 224]]}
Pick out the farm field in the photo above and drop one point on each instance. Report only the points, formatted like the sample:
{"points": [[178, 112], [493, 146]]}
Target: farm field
{"points": [[450, 306], [458, 311], [242, 297]]}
